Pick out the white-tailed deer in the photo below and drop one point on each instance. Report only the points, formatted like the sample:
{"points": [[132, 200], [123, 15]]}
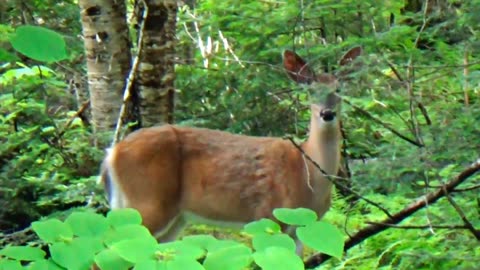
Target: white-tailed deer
{"points": [[170, 172]]}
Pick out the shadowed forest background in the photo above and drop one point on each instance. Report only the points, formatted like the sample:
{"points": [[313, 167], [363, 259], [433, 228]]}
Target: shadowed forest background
{"points": [[410, 115]]}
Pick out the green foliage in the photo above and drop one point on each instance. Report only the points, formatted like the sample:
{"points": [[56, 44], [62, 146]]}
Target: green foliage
{"points": [[277, 257], [234, 81], [412, 59], [85, 238], [39, 43], [318, 235], [47, 159]]}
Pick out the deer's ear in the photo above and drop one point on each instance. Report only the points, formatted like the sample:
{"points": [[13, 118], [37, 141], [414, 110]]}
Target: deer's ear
{"points": [[351, 55], [297, 69]]}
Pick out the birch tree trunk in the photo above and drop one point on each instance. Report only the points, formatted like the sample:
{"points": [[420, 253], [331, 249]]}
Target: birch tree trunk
{"points": [[107, 49], [156, 75]]}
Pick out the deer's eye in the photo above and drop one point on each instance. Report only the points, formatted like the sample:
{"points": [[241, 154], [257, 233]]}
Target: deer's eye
{"points": [[327, 115]]}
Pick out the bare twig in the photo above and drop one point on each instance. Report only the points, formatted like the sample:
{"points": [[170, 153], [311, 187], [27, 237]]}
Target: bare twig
{"points": [[127, 93], [385, 125], [420, 203], [424, 113], [410, 81], [394, 70], [467, 188], [465, 78], [462, 215], [419, 227], [82, 109]]}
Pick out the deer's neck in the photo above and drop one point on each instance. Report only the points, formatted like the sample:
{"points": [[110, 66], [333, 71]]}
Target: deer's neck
{"points": [[323, 146]]}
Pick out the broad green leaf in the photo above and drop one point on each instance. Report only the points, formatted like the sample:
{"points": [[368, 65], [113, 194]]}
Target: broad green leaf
{"points": [[136, 250], [10, 265], [323, 237], [201, 240], [229, 257], [87, 224], [221, 244], [52, 230], [124, 216], [263, 225], [263, 241], [110, 260], [44, 265], [126, 232], [183, 263], [23, 253], [182, 249], [278, 258], [39, 43], [177, 264], [298, 216], [77, 254], [150, 264]]}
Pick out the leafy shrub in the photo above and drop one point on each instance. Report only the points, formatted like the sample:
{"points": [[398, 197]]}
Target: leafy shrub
{"points": [[46, 154], [119, 241]]}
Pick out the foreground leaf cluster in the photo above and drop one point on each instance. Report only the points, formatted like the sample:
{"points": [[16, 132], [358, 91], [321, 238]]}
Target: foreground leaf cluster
{"points": [[119, 241]]}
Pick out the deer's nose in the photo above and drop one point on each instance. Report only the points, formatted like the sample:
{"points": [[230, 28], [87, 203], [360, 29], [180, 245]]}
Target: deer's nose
{"points": [[327, 115]]}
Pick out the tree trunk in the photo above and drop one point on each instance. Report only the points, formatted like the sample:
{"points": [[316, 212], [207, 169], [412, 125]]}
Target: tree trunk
{"points": [[156, 75], [107, 49]]}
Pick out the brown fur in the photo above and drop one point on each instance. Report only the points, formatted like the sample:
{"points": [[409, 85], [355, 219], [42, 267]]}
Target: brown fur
{"points": [[166, 171]]}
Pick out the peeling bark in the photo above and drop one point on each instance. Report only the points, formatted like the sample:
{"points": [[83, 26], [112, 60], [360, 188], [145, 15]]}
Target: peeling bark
{"points": [[156, 75], [107, 49]]}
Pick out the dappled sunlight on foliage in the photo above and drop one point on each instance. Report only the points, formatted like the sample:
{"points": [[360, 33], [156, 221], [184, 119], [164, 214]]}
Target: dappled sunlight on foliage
{"points": [[410, 115]]}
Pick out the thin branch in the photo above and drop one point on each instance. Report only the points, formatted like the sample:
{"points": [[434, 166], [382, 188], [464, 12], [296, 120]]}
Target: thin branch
{"points": [[424, 113], [409, 210], [385, 125], [394, 70], [82, 109], [462, 215], [130, 79], [467, 188], [333, 179], [455, 190], [420, 227], [465, 77]]}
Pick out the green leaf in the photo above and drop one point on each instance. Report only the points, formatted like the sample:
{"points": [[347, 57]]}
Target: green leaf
{"points": [[263, 225], [278, 258], [150, 264], [23, 253], [87, 224], [136, 250], [201, 240], [228, 256], [76, 255], [110, 260], [183, 263], [181, 249], [299, 216], [10, 265], [124, 216], [52, 230], [39, 43], [221, 244], [126, 232], [44, 265], [177, 264], [323, 237], [263, 241]]}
